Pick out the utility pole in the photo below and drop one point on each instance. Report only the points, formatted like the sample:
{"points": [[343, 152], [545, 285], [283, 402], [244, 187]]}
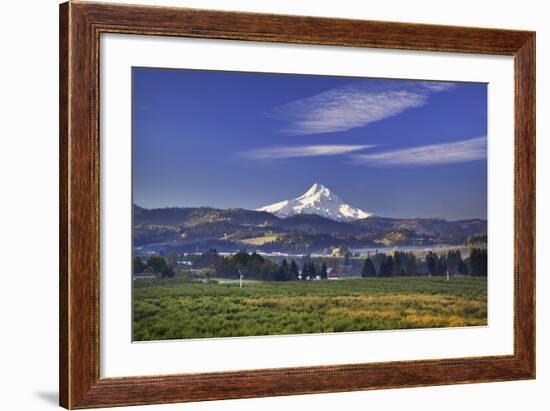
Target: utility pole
{"points": [[240, 279]]}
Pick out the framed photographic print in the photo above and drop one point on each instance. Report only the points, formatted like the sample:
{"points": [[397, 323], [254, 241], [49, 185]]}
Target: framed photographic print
{"points": [[257, 205]]}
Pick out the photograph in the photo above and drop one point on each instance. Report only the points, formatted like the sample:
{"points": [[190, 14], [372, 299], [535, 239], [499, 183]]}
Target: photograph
{"points": [[272, 204], [275, 205]]}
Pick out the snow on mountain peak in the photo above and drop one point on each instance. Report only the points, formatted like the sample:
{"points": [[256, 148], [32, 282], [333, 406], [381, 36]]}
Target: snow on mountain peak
{"points": [[315, 189], [316, 192], [317, 200]]}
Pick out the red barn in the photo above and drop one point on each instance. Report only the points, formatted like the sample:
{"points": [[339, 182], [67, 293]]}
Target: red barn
{"points": [[331, 273]]}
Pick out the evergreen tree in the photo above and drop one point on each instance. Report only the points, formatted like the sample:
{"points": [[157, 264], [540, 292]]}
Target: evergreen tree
{"points": [[431, 263], [324, 271], [484, 263], [312, 270], [285, 270], [390, 264], [377, 260], [386, 268], [305, 271], [347, 257], [293, 270], [454, 261], [411, 264], [396, 270], [462, 268], [368, 269], [478, 262], [383, 269], [474, 261], [441, 266], [282, 272]]}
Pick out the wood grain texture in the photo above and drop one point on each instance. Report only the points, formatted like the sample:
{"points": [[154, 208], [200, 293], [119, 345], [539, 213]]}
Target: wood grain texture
{"points": [[525, 203], [63, 204], [80, 27]]}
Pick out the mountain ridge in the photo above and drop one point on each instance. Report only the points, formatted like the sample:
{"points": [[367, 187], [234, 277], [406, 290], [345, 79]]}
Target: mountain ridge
{"points": [[200, 228]]}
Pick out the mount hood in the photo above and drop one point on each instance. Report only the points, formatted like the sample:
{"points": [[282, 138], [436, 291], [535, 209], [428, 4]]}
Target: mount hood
{"points": [[317, 200]]}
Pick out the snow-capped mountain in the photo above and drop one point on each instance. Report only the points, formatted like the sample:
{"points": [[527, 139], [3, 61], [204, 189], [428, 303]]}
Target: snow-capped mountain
{"points": [[317, 200]]}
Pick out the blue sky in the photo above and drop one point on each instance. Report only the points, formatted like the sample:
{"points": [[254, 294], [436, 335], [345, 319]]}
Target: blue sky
{"points": [[398, 148]]}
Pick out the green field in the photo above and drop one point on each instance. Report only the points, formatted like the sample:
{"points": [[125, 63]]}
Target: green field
{"points": [[174, 309]]}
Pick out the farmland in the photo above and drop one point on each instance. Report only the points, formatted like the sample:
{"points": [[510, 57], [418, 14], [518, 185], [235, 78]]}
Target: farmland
{"points": [[178, 309]]}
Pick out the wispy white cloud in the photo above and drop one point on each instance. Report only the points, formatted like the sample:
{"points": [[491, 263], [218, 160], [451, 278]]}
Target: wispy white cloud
{"points": [[302, 151], [437, 86], [355, 105], [435, 154]]}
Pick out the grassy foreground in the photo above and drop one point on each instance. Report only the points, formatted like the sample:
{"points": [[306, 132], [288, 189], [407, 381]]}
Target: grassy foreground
{"points": [[175, 310]]}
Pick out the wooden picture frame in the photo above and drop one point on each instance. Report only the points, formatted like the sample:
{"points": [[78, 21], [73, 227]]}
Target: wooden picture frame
{"points": [[80, 27]]}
